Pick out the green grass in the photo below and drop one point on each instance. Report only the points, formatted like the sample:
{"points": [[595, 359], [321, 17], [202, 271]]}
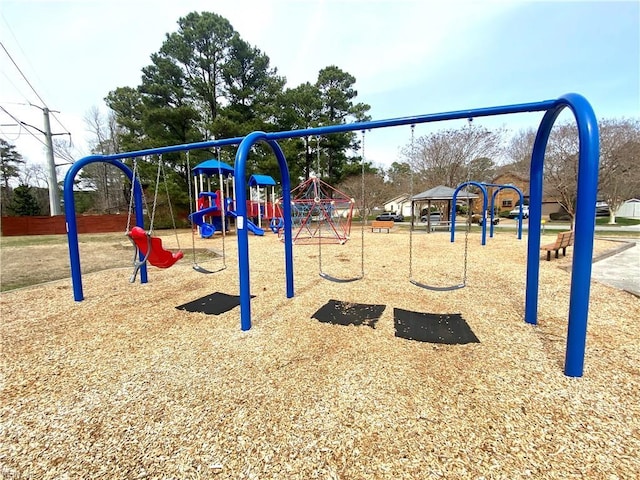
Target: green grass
{"points": [[30, 240], [620, 221]]}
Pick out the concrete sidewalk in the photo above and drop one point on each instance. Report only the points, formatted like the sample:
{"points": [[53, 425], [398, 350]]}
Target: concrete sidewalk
{"points": [[621, 270]]}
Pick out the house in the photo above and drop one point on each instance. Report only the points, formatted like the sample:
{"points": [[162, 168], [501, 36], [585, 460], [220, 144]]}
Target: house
{"points": [[629, 209], [400, 204], [507, 199]]}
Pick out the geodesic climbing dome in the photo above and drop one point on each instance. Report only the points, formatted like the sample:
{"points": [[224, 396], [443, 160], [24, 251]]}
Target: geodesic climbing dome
{"points": [[320, 213]]}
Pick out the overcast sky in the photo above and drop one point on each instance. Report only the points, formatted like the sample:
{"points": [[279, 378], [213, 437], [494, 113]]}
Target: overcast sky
{"points": [[408, 56]]}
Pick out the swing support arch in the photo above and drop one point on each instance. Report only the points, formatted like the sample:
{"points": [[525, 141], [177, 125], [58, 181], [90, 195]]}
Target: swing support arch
{"points": [[584, 221], [72, 225]]}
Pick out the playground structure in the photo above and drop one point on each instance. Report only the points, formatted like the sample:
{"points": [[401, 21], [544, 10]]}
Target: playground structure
{"points": [[216, 207], [210, 215], [264, 208], [584, 219], [322, 213]]}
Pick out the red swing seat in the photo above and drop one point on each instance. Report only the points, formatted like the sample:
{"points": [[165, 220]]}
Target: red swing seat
{"points": [[152, 250]]}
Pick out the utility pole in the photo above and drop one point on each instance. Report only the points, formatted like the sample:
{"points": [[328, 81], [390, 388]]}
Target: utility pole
{"points": [[54, 198], [52, 178]]}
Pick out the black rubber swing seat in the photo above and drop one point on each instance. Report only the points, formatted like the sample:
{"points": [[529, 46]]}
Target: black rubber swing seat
{"points": [[436, 288]]}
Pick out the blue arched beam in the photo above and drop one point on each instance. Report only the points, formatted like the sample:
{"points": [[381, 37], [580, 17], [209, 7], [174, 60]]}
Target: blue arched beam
{"points": [[584, 225], [241, 216], [493, 202], [72, 226], [453, 209]]}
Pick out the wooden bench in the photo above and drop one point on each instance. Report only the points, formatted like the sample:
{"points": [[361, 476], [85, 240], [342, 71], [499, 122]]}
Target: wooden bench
{"points": [[382, 225], [441, 225], [564, 240]]}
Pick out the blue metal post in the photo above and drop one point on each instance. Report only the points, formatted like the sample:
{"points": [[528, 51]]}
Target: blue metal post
{"points": [[584, 225], [584, 231], [239, 179], [535, 215], [286, 212]]}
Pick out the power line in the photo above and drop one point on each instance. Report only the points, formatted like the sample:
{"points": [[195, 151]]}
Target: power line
{"points": [[15, 39], [17, 89], [32, 88], [22, 73], [6, 135], [20, 122]]}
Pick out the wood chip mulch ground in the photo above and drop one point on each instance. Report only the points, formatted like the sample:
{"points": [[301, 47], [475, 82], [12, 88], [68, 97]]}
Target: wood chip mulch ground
{"points": [[124, 385]]}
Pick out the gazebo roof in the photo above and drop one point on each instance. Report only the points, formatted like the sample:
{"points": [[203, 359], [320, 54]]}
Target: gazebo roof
{"points": [[442, 192]]}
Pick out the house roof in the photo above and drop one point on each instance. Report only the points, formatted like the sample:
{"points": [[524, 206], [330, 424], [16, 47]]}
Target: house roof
{"points": [[442, 192], [508, 170], [399, 198]]}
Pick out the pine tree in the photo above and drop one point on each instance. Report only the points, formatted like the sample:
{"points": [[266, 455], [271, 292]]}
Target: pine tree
{"points": [[24, 202]]}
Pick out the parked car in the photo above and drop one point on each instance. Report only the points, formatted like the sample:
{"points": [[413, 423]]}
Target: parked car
{"points": [[435, 218], [515, 213], [602, 209], [396, 217]]}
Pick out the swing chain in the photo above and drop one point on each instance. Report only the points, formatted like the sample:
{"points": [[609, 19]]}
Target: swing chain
{"points": [[134, 176], [155, 196], [466, 242], [323, 211], [166, 189], [469, 219]]}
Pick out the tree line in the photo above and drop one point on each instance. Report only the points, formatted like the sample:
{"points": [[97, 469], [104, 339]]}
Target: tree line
{"points": [[206, 82]]}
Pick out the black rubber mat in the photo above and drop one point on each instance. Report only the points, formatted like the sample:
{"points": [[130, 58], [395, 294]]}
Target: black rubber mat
{"points": [[213, 304], [432, 327], [345, 313]]}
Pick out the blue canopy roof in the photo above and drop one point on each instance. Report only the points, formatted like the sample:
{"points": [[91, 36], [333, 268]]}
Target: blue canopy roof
{"points": [[261, 180], [213, 167]]}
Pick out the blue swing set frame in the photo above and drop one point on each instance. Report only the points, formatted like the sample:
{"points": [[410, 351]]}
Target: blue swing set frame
{"points": [[584, 221]]}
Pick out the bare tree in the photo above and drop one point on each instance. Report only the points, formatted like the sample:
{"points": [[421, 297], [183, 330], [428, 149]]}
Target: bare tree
{"points": [[399, 178], [561, 166], [519, 150], [106, 180], [376, 190], [104, 130], [619, 174], [445, 157], [35, 175]]}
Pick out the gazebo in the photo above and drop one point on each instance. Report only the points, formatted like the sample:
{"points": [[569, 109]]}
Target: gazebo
{"points": [[441, 195]]}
